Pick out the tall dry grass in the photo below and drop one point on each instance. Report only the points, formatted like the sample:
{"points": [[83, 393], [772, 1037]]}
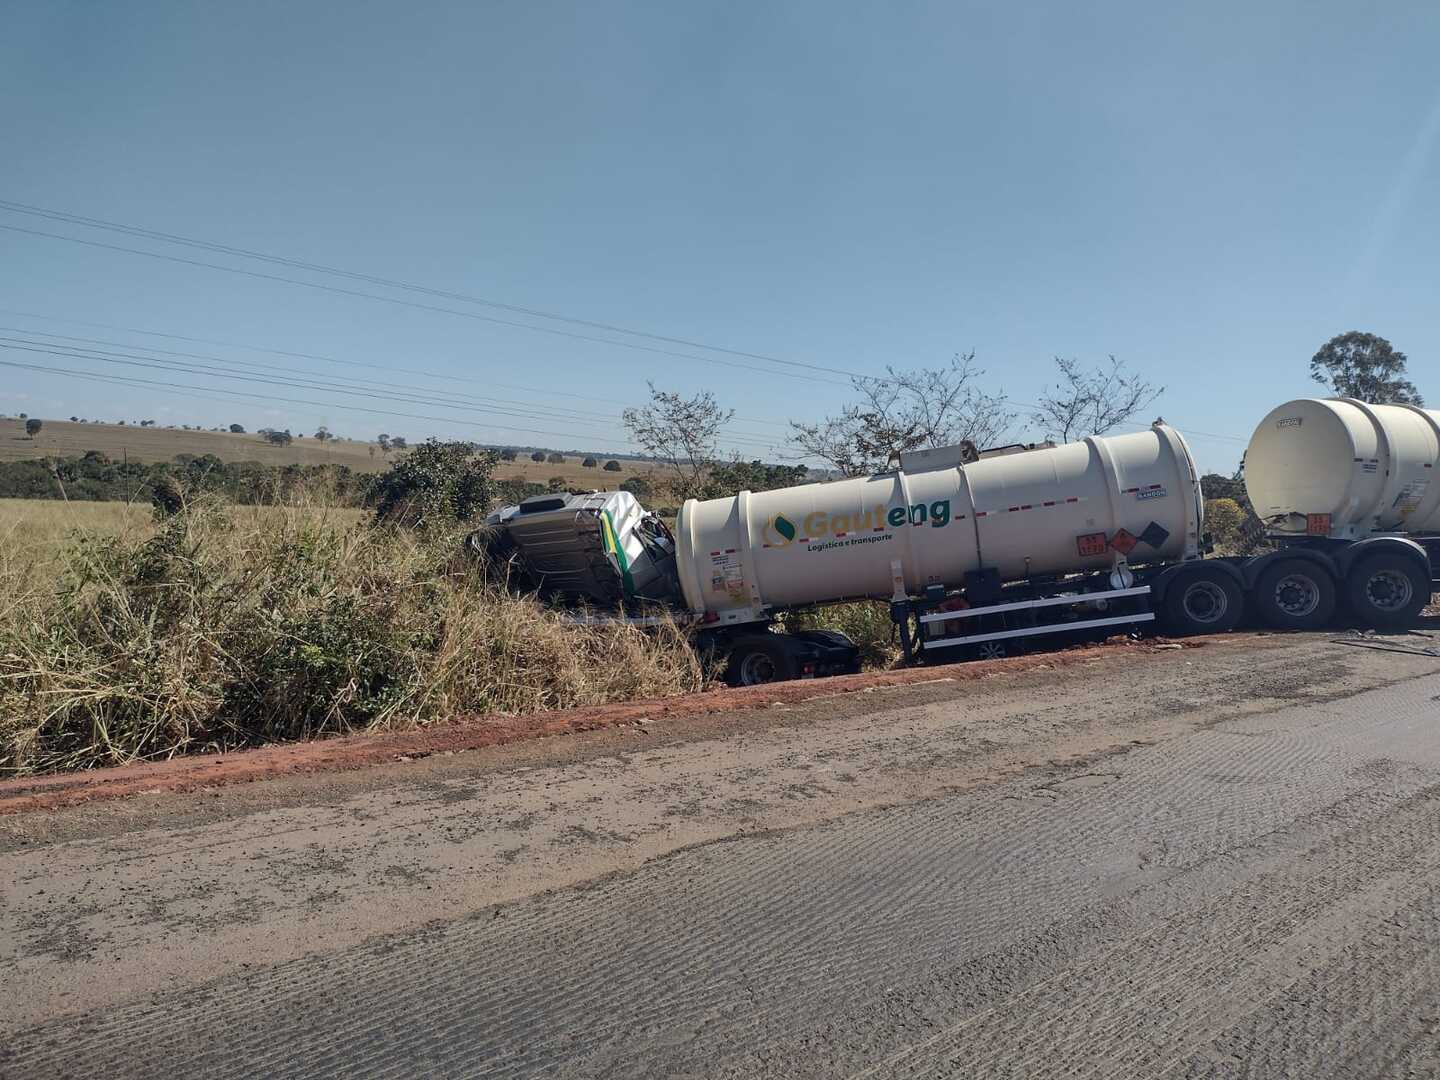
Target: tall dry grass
{"points": [[217, 629], [865, 622]]}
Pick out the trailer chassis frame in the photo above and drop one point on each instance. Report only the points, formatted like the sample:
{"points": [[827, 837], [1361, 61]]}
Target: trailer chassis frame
{"points": [[1033, 616]]}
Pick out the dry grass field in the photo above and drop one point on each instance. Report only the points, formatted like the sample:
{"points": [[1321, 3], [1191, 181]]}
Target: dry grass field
{"points": [[35, 531], [122, 637], [60, 438]]}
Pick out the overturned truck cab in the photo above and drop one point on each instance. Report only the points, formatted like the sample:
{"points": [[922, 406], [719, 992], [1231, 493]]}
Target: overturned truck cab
{"points": [[604, 558]]}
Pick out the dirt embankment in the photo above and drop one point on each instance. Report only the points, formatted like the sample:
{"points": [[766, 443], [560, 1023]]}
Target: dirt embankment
{"points": [[475, 732]]}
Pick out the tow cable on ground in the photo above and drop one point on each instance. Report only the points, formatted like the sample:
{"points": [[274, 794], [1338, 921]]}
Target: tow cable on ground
{"points": [[1368, 640]]}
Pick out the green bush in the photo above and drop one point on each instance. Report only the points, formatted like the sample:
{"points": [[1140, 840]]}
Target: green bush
{"points": [[436, 482], [638, 486]]}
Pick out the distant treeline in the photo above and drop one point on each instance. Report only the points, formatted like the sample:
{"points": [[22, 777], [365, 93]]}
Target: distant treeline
{"points": [[96, 478]]}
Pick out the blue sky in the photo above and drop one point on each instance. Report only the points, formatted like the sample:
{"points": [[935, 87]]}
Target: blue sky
{"points": [[1207, 191]]}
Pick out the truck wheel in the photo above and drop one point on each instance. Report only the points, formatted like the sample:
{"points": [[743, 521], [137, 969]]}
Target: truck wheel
{"points": [[760, 659], [1386, 591], [991, 650], [1295, 594], [1202, 600]]}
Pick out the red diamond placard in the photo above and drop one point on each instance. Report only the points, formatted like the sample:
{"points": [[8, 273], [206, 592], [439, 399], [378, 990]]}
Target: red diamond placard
{"points": [[1124, 542]]}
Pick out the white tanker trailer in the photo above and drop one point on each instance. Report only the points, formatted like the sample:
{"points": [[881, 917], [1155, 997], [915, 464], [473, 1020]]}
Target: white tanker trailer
{"points": [[978, 555]]}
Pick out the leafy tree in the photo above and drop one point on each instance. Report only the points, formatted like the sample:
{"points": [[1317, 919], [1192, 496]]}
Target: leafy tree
{"points": [[24, 416], [279, 438], [1092, 402], [32, 427], [682, 432], [556, 459], [1217, 486], [507, 454], [728, 478], [557, 484], [1245, 537], [383, 441], [612, 466], [74, 419], [1364, 366], [590, 463], [638, 486], [1225, 521], [398, 442], [323, 433], [237, 429], [906, 410], [512, 491], [538, 455], [435, 483]]}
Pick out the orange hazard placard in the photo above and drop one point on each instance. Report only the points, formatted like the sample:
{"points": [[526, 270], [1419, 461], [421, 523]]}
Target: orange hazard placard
{"points": [[1124, 541], [1317, 524], [1094, 543]]}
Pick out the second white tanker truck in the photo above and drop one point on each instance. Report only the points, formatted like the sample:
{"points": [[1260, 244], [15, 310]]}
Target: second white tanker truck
{"points": [[981, 555]]}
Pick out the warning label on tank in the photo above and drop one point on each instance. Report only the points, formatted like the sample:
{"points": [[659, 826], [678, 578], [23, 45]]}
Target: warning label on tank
{"points": [[1289, 421], [1411, 495], [725, 575]]}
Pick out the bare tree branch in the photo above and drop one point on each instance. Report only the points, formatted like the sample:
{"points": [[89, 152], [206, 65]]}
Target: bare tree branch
{"points": [[904, 411], [1087, 402], [681, 432]]}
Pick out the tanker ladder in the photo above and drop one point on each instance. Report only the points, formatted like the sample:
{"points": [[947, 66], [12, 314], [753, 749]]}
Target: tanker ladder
{"points": [[994, 629]]}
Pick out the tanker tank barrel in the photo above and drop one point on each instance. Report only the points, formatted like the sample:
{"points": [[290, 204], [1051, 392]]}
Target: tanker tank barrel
{"points": [[1345, 469], [944, 513]]}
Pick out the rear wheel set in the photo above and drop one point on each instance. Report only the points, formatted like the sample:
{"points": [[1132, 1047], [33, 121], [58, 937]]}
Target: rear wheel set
{"points": [[1202, 600], [1383, 591], [1295, 594], [1386, 591]]}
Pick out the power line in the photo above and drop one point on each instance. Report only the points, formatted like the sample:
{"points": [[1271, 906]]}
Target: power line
{"points": [[392, 393], [126, 380], [578, 413], [141, 361], [421, 306], [286, 352], [346, 362], [393, 283], [98, 223], [132, 360]]}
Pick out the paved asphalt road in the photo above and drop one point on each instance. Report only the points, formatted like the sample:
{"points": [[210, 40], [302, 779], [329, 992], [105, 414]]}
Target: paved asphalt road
{"points": [[1257, 897]]}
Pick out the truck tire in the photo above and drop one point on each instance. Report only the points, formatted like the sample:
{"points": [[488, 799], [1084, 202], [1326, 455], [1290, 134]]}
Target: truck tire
{"points": [[759, 659], [1386, 591], [1202, 600], [1294, 594]]}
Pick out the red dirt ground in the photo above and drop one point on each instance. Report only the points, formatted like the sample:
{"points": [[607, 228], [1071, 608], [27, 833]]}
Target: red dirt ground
{"points": [[473, 732]]}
